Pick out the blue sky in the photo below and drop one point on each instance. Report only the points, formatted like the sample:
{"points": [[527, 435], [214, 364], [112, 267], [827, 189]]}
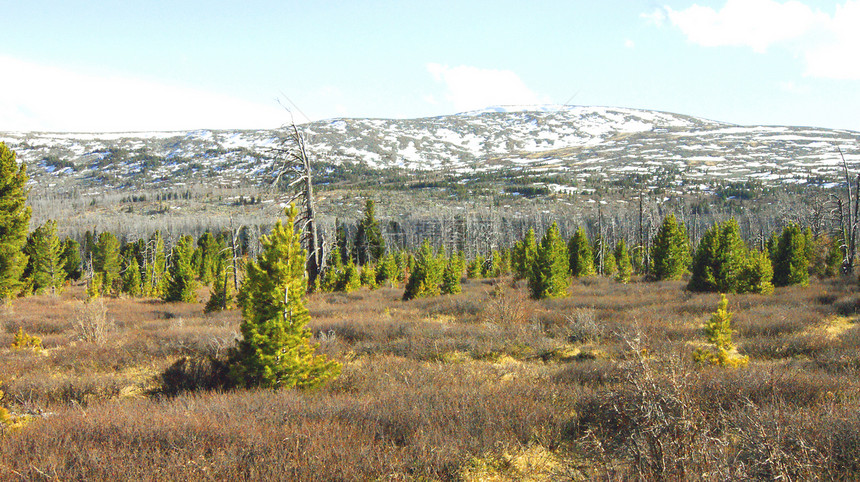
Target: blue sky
{"points": [[159, 65]]}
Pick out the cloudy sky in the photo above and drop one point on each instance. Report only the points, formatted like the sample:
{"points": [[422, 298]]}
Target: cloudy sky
{"points": [[69, 65]]}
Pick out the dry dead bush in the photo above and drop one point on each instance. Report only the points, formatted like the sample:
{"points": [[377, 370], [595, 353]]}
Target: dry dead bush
{"points": [[92, 323], [506, 307]]}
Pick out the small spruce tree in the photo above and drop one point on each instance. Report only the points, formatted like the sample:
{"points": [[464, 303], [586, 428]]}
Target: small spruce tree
{"points": [[45, 271], [275, 350], [180, 274], [622, 259], [790, 262], [72, 259], [718, 329], [106, 260], [581, 259], [369, 245], [549, 278], [451, 276], [426, 277], [523, 256], [670, 251]]}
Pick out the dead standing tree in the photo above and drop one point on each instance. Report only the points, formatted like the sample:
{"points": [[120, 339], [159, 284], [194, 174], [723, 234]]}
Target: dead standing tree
{"points": [[846, 211], [296, 175]]}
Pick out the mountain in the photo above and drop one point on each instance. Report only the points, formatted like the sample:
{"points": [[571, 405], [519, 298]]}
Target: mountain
{"points": [[558, 147]]}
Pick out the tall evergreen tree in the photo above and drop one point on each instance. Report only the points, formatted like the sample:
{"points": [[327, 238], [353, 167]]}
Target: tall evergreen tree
{"points": [[451, 275], [581, 261], [209, 248], [369, 245], [180, 275], [14, 222], [549, 277], [524, 255], [131, 279], [790, 262], [426, 278], [219, 295], [670, 253], [275, 350], [622, 259], [45, 271], [386, 273], [720, 257], [72, 259], [106, 261]]}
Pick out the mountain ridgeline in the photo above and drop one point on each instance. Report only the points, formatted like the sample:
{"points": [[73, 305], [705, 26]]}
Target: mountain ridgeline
{"points": [[561, 149]]}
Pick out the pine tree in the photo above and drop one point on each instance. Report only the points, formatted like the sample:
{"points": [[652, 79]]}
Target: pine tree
{"points": [[350, 281], [106, 261], [367, 274], [610, 267], [549, 278], [426, 277], [671, 250], [14, 222], [275, 350], [719, 332], [131, 279], [72, 259], [720, 257], [45, 270], [622, 259], [581, 261], [210, 248], [369, 245], [451, 276], [334, 271], [180, 274], [524, 254], [757, 274], [219, 295], [833, 261], [790, 262], [475, 269], [387, 271]]}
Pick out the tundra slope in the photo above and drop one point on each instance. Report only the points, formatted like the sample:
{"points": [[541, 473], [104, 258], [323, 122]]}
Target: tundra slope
{"points": [[572, 143]]}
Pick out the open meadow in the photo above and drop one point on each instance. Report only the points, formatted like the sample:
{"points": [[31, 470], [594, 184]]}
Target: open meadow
{"points": [[484, 385]]}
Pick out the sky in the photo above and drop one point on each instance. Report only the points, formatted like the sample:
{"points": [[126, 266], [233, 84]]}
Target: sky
{"points": [[117, 66]]}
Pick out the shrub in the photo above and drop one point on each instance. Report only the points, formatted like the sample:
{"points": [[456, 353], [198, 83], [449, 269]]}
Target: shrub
{"points": [[24, 341]]}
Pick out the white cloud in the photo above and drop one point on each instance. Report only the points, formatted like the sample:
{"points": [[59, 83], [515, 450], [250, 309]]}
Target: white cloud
{"points": [[38, 97], [827, 43], [471, 88], [754, 23], [629, 44], [835, 56]]}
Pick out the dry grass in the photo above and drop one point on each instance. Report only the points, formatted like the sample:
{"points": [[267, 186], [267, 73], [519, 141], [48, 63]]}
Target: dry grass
{"points": [[484, 385]]}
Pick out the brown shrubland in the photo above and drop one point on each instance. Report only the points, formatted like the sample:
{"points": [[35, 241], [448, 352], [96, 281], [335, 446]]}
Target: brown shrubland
{"points": [[486, 384]]}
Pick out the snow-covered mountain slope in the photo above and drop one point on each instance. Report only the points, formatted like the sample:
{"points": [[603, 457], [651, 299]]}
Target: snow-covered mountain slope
{"points": [[573, 141]]}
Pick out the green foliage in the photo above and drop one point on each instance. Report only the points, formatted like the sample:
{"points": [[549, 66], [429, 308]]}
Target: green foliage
{"points": [[756, 275], [14, 222], [72, 259], [719, 259], [106, 261], [334, 271], [549, 278], [45, 270], [670, 253], [350, 280], [790, 261], [386, 272], [131, 279], [369, 245], [718, 329], [94, 287], [367, 276], [833, 260], [219, 295], [209, 249], [451, 275], [622, 259], [610, 267], [475, 269], [426, 277], [180, 274], [523, 256], [275, 350], [581, 259]]}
